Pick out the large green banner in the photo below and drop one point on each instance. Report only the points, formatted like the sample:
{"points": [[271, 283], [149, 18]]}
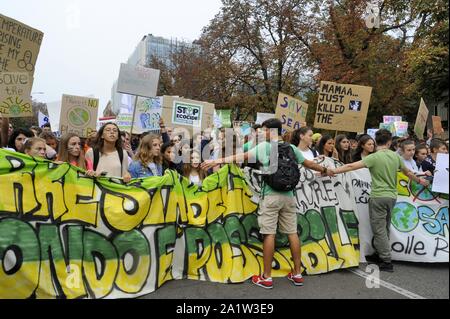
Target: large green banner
{"points": [[65, 235]]}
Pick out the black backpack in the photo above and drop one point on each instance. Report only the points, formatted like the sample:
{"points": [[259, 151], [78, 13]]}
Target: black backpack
{"points": [[287, 174]]}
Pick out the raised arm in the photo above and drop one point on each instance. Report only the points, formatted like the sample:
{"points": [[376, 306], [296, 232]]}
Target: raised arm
{"points": [[412, 176]]}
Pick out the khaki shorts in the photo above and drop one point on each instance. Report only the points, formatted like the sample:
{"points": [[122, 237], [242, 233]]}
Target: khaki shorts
{"points": [[278, 210]]}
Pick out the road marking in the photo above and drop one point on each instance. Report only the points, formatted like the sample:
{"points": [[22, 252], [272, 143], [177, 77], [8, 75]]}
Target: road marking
{"points": [[387, 285]]}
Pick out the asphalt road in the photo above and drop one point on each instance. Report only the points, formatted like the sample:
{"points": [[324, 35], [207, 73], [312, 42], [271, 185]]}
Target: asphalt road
{"points": [[409, 281]]}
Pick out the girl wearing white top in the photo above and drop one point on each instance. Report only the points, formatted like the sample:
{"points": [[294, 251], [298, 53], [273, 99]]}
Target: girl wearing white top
{"points": [[408, 149], [192, 170], [108, 144], [302, 138]]}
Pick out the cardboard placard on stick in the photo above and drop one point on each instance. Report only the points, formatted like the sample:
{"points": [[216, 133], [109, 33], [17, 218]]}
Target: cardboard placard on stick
{"points": [[261, 117], [19, 46], [291, 112], [187, 115], [342, 107], [78, 115], [437, 125], [137, 80], [421, 120], [15, 90]]}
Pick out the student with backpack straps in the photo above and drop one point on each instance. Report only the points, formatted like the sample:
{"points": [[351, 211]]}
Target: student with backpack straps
{"points": [[278, 206], [107, 155], [302, 138]]}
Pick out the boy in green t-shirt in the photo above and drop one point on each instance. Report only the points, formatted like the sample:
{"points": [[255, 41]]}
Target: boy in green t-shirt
{"points": [[383, 166], [276, 208]]}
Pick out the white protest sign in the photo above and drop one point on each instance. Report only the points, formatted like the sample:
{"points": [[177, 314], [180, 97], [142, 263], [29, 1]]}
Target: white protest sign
{"points": [[440, 181], [137, 80], [261, 117], [43, 119]]}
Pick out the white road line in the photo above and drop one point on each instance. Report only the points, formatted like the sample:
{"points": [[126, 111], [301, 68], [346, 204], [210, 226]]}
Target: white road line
{"points": [[387, 285]]}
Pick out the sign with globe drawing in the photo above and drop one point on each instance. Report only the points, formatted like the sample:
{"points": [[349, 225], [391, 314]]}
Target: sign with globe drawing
{"points": [[78, 115], [419, 223]]}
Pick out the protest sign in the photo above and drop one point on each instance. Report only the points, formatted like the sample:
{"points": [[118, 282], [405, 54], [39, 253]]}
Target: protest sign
{"points": [[124, 122], [391, 119], [243, 127], [187, 115], [78, 115], [42, 119], [419, 220], [342, 107], [147, 115], [421, 120], [388, 126], [437, 125], [15, 91], [291, 112], [372, 132], [19, 46], [217, 120], [441, 177], [137, 80], [261, 117], [401, 129], [104, 120], [225, 117]]}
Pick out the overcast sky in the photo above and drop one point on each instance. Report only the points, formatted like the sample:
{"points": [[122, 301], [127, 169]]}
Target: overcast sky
{"points": [[86, 40]]}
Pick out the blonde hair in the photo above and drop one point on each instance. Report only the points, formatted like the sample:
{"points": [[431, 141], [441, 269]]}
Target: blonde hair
{"points": [[29, 143], [144, 151]]}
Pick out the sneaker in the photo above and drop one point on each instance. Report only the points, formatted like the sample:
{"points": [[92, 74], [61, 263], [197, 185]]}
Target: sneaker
{"points": [[384, 266], [296, 279], [262, 282], [374, 259]]}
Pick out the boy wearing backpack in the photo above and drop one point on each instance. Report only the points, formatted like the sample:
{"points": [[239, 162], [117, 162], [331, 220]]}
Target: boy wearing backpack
{"points": [[278, 206]]}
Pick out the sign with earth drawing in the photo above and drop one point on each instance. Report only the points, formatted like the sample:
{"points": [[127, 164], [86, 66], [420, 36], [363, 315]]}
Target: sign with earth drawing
{"points": [[15, 88], [78, 115]]}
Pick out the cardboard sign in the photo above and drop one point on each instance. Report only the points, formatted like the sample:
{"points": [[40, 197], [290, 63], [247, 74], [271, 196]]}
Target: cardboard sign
{"points": [[261, 117], [78, 115], [437, 125], [401, 129], [391, 119], [440, 181], [243, 127], [137, 80], [342, 107], [421, 120], [15, 90], [184, 114], [147, 115], [291, 112], [19, 46]]}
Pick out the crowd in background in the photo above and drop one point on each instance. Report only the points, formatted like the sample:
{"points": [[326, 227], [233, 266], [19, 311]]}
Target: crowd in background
{"points": [[114, 153]]}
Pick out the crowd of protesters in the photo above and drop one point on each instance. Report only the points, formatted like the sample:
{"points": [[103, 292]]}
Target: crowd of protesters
{"points": [[112, 153]]}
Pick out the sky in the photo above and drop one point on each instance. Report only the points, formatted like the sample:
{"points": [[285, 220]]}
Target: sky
{"points": [[85, 41]]}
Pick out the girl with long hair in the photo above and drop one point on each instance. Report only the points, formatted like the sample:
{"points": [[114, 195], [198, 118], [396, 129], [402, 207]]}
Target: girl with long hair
{"points": [[366, 146], [193, 171], [326, 147], [71, 151], [108, 156], [148, 160], [343, 149]]}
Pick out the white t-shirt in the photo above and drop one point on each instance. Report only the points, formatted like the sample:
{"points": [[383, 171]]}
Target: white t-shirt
{"points": [[412, 165], [309, 155], [110, 163], [195, 179]]}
